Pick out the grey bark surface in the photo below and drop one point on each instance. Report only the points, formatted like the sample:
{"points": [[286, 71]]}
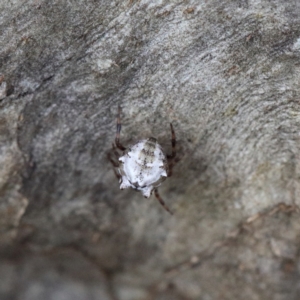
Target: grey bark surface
{"points": [[225, 73]]}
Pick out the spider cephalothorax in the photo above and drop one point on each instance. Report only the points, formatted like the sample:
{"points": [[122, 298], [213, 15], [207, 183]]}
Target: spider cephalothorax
{"points": [[143, 166]]}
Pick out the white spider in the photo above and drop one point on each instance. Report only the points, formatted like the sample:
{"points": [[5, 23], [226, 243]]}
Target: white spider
{"points": [[143, 166]]}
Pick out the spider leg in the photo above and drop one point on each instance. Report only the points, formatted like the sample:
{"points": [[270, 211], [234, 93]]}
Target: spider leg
{"points": [[119, 177], [114, 149], [161, 201], [173, 155], [119, 126], [113, 162]]}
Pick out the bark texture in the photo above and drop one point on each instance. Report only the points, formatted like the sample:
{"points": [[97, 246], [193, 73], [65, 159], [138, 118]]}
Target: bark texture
{"points": [[225, 73]]}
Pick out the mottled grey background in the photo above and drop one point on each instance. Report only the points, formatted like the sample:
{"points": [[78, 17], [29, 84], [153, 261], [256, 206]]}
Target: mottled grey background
{"points": [[225, 73]]}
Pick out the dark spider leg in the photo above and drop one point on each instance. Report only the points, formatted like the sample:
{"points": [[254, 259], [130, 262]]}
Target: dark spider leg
{"points": [[119, 125], [114, 149], [161, 201], [114, 163], [173, 155]]}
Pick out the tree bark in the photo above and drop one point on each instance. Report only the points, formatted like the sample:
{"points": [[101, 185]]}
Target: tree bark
{"points": [[226, 74]]}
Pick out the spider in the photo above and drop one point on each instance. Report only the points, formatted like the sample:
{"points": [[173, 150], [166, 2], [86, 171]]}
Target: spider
{"points": [[142, 166]]}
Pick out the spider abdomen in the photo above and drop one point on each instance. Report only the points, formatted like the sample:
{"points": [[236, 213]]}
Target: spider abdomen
{"points": [[143, 166]]}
